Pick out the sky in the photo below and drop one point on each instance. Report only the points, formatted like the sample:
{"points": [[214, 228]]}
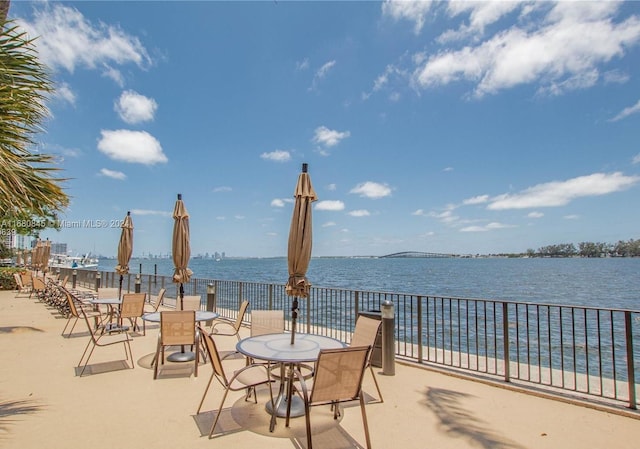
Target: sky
{"points": [[464, 127]]}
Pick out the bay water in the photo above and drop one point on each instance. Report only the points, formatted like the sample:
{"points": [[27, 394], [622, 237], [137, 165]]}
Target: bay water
{"points": [[601, 282]]}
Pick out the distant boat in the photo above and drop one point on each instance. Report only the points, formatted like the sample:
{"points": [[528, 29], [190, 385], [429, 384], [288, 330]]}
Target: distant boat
{"points": [[66, 261]]}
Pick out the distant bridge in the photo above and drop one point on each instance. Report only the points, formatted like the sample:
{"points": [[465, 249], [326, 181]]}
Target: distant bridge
{"points": [[416, 254]]}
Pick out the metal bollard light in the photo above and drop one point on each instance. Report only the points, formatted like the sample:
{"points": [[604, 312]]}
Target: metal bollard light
{"points": [[74, 276], [211, 300], [98, 279], [137, 286], [388, 343]]}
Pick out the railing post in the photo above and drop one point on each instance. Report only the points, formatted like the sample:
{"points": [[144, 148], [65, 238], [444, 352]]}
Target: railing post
{"points": [[74, 277], [505, 339], [420, 353], [137, 286], [631, 374], [97, 280], [211, 300], [388, 346]]}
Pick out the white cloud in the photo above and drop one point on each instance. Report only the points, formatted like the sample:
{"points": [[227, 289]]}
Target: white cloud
{"points": [[481, 14], [277, 156], [112, 174], [535, 215], [331, 187], [277, 202], [329, 224], [563, 51], [161, 213], [414, 11], [135, 108], [480, 199], [329, 137], [560, 193], [419, 213], [68, 40], [65, 93], [113, 74], [359, 213], [321, 73], [571, 217], [626, 112], [131, 146], [636, 159], [302, 65], [488, 227], [222, 189], [371, 189], [330, 205]]}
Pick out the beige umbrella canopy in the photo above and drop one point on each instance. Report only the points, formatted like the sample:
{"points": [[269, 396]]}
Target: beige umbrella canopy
{"points": [[36, 255], [125, 248], [299, 251], [181, 250]]}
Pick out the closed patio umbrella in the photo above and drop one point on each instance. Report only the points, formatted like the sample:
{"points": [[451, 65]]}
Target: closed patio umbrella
{"points": [[181, 250], [36, 256], [299, 250], [46, 253], [125, 248]]}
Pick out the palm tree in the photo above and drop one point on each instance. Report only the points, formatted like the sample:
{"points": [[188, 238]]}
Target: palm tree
{"points": [[28, 186]]}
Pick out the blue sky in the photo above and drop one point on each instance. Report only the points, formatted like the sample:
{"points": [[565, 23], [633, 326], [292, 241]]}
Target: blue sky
{"points": [[463, 127]]}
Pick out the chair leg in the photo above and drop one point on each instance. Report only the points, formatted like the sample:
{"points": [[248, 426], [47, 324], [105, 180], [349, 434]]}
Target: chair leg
{"points": [[205, 392], [364, 421], [215, 421], [376, 382]]}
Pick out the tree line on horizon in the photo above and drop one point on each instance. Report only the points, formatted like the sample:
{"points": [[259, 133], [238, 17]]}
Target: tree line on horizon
{"points": [[629, 248]]}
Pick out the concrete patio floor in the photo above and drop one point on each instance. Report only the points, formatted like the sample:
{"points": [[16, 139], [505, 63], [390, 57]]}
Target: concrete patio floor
{"points": [[44, 404]]}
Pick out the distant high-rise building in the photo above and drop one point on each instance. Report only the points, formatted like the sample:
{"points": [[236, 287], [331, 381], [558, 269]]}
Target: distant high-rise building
{"points": [[58, 248]]}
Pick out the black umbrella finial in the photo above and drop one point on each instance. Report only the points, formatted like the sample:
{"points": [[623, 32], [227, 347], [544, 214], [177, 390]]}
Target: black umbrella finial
{"points": [[179, 196], [129, 213], [305, 167]]}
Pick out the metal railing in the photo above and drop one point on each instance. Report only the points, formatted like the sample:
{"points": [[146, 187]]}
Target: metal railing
{"points": [[585, 350]]}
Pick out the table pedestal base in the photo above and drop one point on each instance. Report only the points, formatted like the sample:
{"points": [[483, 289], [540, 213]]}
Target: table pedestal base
{"points": [[297, 407], [182, 357]]}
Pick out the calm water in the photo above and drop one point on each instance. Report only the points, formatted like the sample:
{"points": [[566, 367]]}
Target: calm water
{"points": [[613, 283]]}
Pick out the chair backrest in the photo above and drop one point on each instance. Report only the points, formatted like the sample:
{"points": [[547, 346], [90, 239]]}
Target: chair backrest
{"points": [[189, 302], [241, 311], [158, 299], [267, 322], [26, 279], [72, 303], [132, 305], [18, 280], [214, 357], [365, 332], [108, 293], [178, 327], [38, 284], [338, 374]]}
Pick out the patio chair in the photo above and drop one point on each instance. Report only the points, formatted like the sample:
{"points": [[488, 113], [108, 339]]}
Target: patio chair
{"points": [[73, 305], [267, 322], [108, 292], [101, 340], [38, 287], [188, 302], [177, 328], [132, 308], [246, 378], [21, 288], [27, 280], [234, 325], [365, 333], [157, 301], [338, 378]]}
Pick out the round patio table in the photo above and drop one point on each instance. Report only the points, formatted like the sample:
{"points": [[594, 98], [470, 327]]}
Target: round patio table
{"points": [[277, 348]]}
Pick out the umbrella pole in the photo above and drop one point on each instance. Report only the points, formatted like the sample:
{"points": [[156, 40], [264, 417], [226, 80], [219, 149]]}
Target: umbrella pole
{"points": [[120, 288], [294, 317]]}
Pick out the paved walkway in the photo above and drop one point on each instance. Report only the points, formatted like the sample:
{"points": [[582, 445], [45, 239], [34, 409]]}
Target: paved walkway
{"points": [[43, 404]]}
